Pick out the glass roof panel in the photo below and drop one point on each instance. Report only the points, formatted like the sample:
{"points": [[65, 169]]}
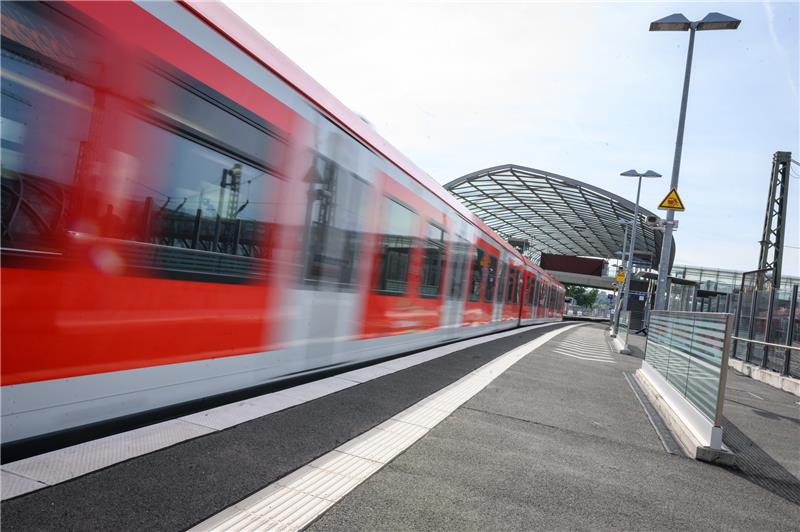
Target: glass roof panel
{"points": [[556, 213]]}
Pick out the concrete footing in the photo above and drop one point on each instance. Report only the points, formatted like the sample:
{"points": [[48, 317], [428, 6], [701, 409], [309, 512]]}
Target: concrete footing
{"points": [[684, 436], [776, 380], [620, 346]]}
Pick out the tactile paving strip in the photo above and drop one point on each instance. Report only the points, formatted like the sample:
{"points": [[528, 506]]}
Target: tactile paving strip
{"points": [[296, 500], [37, 472]]}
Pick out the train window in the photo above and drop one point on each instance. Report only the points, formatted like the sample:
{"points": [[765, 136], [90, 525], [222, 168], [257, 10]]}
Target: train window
{"points": [[542, 293], [398, 230], [531, 291], [517, 286], [207, 213], [459, 254], [181, 180], [490, 279], [501, 283], [186, 104], [510, 287], [38, 166], [432, 262], [526, 287], [477, 275], [334, 228]]}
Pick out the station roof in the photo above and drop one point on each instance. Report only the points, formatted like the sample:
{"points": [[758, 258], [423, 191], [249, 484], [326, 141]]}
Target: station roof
{"points": [[556, 214]]}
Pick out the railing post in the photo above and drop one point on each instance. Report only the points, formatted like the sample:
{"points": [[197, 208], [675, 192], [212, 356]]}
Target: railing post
{"points": [[751, 330], [628, 333], [738, 318], [768, 328], [787, 356], [723, 372]]}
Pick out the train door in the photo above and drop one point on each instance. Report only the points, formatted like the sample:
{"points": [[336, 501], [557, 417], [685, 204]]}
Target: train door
{"points": [[477, 310], [511, 307], [406, 293], [541, 286], [325, 305], [456, 282], [492, 285], [525, 307], [518, 290], [500, 297]]}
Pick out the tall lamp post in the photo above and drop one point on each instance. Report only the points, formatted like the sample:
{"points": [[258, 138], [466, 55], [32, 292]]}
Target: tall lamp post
{"points": [[624, 293], [615, 319], [678, 22]]}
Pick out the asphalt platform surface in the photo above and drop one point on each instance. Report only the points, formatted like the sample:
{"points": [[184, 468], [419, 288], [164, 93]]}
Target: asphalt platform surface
{"points": [[180, 486], [556, 442], [561, 443]]}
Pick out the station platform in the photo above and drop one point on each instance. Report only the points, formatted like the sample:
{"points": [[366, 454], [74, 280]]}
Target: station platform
{"points": [[537, 428]]}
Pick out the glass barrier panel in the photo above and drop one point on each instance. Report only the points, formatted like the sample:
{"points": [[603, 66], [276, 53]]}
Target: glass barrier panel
{"points": [[779, 329], [624, 321], [743, 324], [760, 328], [794, 360], [688, 349]]}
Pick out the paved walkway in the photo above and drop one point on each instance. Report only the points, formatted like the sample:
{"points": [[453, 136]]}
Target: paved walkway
{"points": [[762, 426], [559, 442]]}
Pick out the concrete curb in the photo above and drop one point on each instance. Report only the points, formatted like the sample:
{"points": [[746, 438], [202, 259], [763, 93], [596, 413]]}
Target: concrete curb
{"points": [[774, 379], [688, 442]]}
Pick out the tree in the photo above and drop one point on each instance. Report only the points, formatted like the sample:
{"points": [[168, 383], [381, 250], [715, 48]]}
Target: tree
{"points": [[582, 296]]}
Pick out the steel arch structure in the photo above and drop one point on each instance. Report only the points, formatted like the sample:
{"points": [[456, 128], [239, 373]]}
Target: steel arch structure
{"points": [[556, 214]]}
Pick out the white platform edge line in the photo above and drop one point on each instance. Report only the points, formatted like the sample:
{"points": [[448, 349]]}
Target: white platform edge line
{"points": [[583, 353], [595, 352], [590, 359], [120, 441], [366, 447]]}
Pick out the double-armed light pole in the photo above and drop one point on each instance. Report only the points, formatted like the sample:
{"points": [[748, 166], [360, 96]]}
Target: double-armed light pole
{"points": [[678, 22], [618, 292], [624, 292]]}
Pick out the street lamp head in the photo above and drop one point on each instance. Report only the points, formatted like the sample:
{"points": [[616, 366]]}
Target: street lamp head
{"points": [[718, 21], [634, 173], [674, 22]]}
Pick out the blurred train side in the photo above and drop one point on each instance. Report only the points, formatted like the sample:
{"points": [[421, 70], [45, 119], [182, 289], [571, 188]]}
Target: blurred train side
{"points": [[185, 213]]}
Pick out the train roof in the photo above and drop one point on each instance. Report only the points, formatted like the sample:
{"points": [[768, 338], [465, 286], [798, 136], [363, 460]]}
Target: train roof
{"points": [[232, 26]]}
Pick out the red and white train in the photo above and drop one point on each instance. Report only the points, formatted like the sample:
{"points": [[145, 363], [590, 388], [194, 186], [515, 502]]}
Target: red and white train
{"points": [[186, 213]]}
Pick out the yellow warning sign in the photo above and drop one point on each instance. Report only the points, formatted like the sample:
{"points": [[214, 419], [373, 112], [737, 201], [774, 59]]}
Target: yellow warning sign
{"points": [[620, 277], [672, 202]]}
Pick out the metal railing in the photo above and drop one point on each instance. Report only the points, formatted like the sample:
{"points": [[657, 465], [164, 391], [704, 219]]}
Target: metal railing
{"points": [[575, 310], [766, 332]]}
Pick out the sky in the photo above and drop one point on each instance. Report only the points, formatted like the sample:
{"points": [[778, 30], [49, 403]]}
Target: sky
{"points": [[580, 89]]}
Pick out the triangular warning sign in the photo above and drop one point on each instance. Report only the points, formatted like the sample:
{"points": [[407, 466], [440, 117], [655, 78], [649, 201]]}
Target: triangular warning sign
{"points": [[672, 202]]}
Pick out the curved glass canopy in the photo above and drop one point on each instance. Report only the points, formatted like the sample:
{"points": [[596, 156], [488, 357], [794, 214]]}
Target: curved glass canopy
{"points": [[557, 214]]}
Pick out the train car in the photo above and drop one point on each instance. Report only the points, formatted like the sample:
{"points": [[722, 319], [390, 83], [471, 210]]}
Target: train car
{"points": [[186, 213]]}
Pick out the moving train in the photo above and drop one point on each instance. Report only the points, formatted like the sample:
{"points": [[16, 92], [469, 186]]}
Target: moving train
{"points": [[186, 213]]}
